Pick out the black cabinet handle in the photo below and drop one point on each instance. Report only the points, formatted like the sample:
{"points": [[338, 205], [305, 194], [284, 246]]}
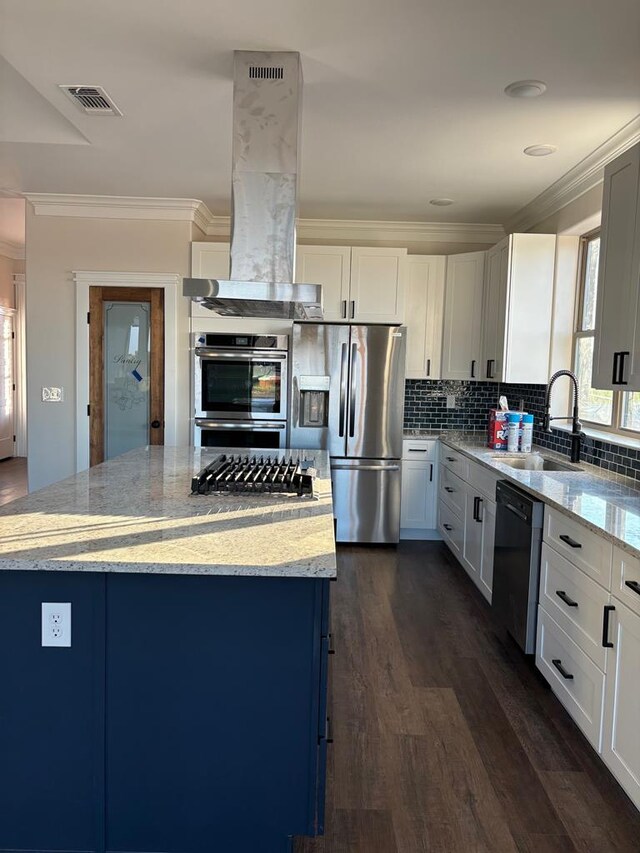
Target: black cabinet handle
{"points": [[571, 542], [568, 601], [614, 377], [428, 370], [622, 381], [473, 369], [563, 672], [418, 449], [450, 458], [431, 473], [447, 527], [344, 309], [475, 508], [490, 363], [605, 626], [633, 585], [449, 489], [353, 308]]}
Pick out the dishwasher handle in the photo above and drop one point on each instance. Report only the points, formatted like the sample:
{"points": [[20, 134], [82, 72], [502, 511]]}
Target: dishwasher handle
{"points": [[516, 511]]}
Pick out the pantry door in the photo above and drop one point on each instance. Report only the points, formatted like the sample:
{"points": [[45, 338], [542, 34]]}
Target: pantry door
{"points": [[126, 370]]}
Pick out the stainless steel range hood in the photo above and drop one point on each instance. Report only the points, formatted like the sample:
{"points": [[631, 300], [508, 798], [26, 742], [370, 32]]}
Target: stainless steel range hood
{"points": [[267, 96]]}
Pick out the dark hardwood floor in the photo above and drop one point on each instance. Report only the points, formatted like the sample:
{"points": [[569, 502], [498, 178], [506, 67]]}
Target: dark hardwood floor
{"points": [[446, 739], [13, 479]]}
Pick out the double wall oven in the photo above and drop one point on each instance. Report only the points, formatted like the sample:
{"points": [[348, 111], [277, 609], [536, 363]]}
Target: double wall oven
{"points": [[240, 390]]}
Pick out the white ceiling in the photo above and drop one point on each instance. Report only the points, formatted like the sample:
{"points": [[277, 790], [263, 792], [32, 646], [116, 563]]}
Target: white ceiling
{"points": [[403, 100]]}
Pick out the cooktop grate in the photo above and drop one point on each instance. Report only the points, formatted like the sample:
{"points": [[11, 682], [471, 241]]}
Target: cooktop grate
{"points": [[255, 474]]}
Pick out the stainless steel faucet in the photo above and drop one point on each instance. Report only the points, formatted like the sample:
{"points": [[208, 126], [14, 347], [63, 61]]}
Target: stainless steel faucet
{"points": [[576, 431]]}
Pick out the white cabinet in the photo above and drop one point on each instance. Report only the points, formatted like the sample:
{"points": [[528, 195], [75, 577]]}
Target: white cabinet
{"points": [[424, 314], [620, 741], [329, 266], [517, 310], [479, 536], [210, 260], [419, 505], [616, 354], [364, 285], [462, 334]]}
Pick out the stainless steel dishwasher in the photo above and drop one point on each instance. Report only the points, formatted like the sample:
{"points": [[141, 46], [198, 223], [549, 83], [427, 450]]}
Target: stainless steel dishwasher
{"points": [[516, 566]]}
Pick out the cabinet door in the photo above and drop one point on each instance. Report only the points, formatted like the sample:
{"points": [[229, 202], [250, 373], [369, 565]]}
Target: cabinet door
{"points": [[494, 311], [210, 260], [377, 285], [329, 266], [418, 496], [487, 511], [621, 744], [472, 549], [617, 278], [461, 347], [424, 307]]}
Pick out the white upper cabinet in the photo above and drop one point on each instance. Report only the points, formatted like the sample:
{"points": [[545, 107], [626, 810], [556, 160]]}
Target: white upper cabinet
{"points": [[329, 266], [518, 306], [462, 337], [210, 260], [616, 355], [361, 285], [424, 312]]}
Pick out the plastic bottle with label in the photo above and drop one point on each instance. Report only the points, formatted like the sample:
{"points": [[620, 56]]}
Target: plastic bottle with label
{"points": [[513, 431], [526, 440]]}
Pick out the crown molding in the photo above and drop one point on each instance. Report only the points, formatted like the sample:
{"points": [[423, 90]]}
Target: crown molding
{"points": [[15, 251], [126, 279], [119, 207], [577, 181]]}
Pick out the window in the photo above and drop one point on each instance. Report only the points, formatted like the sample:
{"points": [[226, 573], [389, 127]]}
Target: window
{"points": [[607, 410]]}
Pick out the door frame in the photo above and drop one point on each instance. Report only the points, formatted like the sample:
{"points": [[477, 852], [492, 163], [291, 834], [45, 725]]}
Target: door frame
{"points": [[170, 283]]}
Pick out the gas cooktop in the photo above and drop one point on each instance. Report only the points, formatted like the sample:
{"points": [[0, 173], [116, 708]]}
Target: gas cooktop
{"points": [[255, 474]]}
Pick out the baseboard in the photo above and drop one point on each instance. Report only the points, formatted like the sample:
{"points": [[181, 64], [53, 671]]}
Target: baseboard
{"points": [[417, 533]]}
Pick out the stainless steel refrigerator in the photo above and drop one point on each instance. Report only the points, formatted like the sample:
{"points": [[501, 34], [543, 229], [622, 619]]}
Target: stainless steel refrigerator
{"points": [[347, 397]]}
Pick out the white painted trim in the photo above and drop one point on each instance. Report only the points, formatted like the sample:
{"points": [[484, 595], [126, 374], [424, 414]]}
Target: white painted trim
{"points": [[20, 362], [577, 181], [171, 282], [14, 251], [8, 312], [119, 207]]}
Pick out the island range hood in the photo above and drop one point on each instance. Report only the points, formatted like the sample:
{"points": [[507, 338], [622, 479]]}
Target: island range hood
{"points": [[267, 96]]}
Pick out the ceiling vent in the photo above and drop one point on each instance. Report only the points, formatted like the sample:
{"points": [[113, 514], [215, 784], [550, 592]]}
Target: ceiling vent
{"points": [[266, 72], [92, 100]]}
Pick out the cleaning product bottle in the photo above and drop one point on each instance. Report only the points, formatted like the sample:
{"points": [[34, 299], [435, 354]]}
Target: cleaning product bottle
{"points": [[513, 431], [526, 440]]}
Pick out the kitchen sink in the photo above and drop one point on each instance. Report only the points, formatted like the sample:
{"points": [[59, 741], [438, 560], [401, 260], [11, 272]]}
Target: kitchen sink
{"points": [[543, 463]]}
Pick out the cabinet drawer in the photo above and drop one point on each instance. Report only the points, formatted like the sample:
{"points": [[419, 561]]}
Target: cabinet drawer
{"points": [[454, 460], [417, 449], [575, 602], [625, 579], [452, 491], [451, 526], [581, 546], [581, 688], [482, 480]]}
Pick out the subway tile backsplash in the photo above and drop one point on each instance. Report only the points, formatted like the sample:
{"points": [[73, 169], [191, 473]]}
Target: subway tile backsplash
{"points": [[426, 408]]}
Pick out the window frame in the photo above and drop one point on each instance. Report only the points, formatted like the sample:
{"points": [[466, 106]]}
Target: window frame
{"points": [[615, 428]]}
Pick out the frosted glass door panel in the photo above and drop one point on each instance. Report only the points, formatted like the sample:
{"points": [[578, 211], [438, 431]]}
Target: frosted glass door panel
{"points": [[6, 386], [126, 376]]}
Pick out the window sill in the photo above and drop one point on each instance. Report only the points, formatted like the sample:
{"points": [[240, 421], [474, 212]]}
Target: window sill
{"points": [[603, 435]]}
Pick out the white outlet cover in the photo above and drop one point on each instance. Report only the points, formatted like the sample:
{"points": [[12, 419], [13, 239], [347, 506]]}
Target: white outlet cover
{"points": [[52, 394], [56, 624], [451, 401]]}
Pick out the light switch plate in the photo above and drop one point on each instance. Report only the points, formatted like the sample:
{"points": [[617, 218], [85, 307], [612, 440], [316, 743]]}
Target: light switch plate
{"points": [[52, 395], [451, 401], [56, 624]]}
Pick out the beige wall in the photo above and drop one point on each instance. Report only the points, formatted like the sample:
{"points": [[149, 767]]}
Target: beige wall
{"points": [[56, 247], [7, 269]]}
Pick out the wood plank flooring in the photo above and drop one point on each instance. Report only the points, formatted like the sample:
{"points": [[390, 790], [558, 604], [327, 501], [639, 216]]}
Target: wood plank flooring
{"points": [[446, 739], [13, 479]]}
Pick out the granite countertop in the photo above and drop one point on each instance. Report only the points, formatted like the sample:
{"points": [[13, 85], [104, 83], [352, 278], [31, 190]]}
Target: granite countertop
{"points": [[135, 513], [605, 504]]}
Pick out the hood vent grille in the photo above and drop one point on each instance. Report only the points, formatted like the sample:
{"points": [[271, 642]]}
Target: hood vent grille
{"points": [[92, 99], [266, 72]]}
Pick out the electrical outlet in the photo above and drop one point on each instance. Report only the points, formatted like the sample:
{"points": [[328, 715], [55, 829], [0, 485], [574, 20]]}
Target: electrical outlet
{"points": [[451, 401], [56, 623]]}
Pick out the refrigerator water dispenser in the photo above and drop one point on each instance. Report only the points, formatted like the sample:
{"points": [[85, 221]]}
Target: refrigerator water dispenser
{"points": [[314, 401]]}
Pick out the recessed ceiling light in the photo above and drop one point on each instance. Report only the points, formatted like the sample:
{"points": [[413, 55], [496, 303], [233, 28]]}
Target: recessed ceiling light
{"points": [[526, 89], [441, 202], [540, 150]]}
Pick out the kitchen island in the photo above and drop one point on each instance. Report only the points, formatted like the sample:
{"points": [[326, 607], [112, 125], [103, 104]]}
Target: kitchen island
{"points": [[189, 711]]}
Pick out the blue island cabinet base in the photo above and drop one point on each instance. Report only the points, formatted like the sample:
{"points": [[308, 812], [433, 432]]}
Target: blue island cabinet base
{"points": [[192, 715]]}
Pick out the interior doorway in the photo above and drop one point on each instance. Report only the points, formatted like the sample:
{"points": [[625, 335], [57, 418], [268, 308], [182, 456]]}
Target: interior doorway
{"points": [[126, 370]]}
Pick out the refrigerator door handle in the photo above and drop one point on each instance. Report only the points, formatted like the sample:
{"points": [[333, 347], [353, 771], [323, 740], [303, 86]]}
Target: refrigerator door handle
{"points": [[352, 400], [343, 390]]}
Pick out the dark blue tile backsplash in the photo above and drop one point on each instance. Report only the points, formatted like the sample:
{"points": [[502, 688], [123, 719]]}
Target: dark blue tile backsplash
{"points": [[426, 408]]}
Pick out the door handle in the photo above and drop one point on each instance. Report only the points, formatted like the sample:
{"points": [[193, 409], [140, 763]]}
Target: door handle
{"points": [[343, 388], [449, 489], [447, 527], [571, 542], [608, 608], [356, 468], [431, 481], [155, 424], [568, 601], [476, 509], [490, 362], [563, 672], [353, 308], [473, 369], [622, 355], [352, 401], [633, 585], [515, 511], [428, 367]]}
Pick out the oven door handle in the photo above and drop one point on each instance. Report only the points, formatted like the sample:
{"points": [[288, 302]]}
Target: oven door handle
{"points": [[269, 355], [264, 425]]}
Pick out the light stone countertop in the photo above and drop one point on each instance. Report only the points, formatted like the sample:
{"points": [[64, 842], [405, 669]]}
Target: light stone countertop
{"points": [[135, 513], [607, 505]]}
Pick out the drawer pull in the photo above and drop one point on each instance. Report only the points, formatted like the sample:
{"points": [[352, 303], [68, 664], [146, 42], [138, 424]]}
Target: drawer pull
{"points": [[568, 601], [417, 449], [571, 542], [447, 527], [449, 489], [563, 672], [450, 458], [605, 626], [633, 585], [431, 473]]}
